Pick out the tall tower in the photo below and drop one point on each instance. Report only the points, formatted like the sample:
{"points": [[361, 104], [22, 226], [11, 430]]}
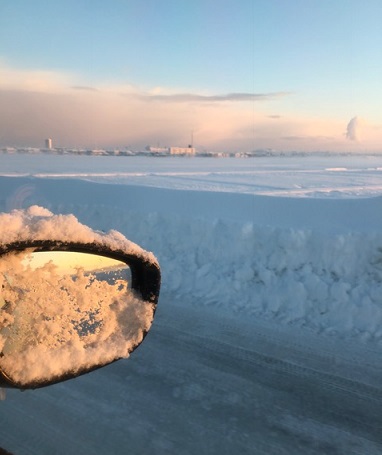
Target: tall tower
{"points": [[48, 144]]}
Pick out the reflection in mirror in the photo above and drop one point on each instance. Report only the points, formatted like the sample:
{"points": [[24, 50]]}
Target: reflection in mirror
{"points": [[68, 262], [64, 312]]}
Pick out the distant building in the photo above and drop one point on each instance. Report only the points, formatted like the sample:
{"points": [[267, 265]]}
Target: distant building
{"points": [[172, 150], [182, 150], [48, 144], [151, 149]]}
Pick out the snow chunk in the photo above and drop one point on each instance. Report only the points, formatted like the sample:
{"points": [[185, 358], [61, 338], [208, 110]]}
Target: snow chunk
{"points": [[38, 223]]}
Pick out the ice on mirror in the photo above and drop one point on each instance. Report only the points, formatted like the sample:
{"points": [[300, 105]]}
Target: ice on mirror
{"points": [[61, 316]]}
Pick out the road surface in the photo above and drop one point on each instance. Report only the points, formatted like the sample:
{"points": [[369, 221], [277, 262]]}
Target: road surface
{"points": [[204, 383]]}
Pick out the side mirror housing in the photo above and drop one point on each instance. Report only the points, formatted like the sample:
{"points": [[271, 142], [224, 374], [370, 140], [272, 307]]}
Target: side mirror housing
{"points": [[71, 303]]}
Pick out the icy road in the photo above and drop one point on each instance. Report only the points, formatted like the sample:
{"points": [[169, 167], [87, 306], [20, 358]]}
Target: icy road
{"points": [[206, 385]]}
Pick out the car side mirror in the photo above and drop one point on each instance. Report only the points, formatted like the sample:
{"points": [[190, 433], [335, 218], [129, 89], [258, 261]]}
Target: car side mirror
{"points": [[69, 307]]}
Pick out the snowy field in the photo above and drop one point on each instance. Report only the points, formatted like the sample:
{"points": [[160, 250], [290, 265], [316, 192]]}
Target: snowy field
{"points": [[309, 176], [268, 334]]}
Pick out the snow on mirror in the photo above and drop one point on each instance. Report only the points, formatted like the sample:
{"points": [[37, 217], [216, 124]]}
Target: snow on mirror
{"points": [[64, 313]]}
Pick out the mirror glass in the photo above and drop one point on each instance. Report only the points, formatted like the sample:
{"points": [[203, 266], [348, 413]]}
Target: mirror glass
{"points": [[62, 313]]}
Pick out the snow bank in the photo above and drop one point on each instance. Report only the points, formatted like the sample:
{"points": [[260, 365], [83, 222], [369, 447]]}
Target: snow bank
{"points": [[328, 282], [308, 262]]}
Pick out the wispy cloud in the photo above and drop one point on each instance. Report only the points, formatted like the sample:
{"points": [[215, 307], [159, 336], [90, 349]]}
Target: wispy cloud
{"points": [[193, 97]]}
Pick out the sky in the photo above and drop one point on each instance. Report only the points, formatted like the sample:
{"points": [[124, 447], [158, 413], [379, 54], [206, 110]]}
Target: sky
{"points": [[233, 75]]}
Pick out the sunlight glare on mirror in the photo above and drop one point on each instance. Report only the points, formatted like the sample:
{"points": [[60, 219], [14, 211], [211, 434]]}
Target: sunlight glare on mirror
{"points": [[68, 262]]}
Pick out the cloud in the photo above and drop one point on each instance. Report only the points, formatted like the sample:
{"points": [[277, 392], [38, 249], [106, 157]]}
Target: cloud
{"points": [[33, 80], [87, 118], [353, 130], [39, 104], [233, 97]]}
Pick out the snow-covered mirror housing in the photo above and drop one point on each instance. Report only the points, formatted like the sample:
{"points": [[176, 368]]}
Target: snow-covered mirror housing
{"points": [[72, 299]]}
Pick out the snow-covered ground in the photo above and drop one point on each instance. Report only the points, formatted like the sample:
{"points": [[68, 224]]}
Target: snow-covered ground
{"points": [[312, 176], [296, 239], [268, 332]]}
